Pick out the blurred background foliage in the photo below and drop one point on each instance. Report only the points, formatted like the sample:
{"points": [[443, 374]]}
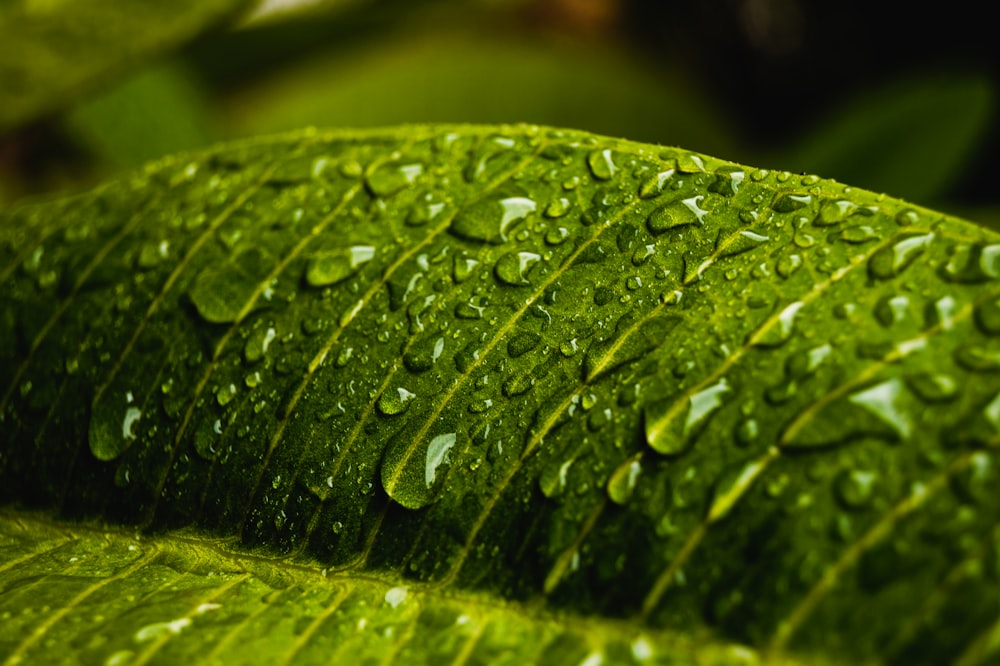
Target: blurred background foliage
{"points": [[889, 98]]}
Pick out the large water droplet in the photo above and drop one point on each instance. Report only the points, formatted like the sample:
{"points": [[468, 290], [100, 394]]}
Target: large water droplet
{"points": [[391, 178], [489, 220], [676, 214], [220, 293], [412, 469], [787, 203], [655, 184], [988, 316], [621, 485], [933, 387], [740, 242], [883, 401], [778, 331], [337, 265], [667, 434], [522, 343], [890, 261], [513, 268], [395, 401], [113, 428], [601, 164]]}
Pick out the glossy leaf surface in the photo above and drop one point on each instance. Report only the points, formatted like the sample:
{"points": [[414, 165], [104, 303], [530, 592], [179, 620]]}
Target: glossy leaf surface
{"points": [[705, 411]]}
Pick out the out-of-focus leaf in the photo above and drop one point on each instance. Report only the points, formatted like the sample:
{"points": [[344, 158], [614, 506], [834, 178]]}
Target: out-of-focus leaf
{"points": [[159, 111], [448, 77], [51, 49], [910, 140]]}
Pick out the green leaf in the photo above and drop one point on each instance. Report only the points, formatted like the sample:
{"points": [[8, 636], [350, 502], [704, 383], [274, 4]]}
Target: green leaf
{"points": [[51, 49], [586, 400]]}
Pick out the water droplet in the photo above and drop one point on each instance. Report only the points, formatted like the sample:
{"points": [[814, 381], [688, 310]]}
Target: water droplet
{"points": [[466, 310], [859, 234], [522, 343], [621, 485], [740, 242], [225, 394], [437, 453], [854, 488], [601, 164], [518, 384], [112, 428], [219, 294], [788, 203], [664, 432], [394, 596], [973, 263], [804, 362], [892, 310], [988, 316], [395, 401], [890, 261], [883, 401], [788, 264], [427, 207], [558, 208], [655, 185], [776, 332], [423, 355], [388, 179], [556, 235], [463, 267], [977, 359], [933, 387], [835, 212], [747, 432], [257, 343], [489, 220], [335, 266], [513, 268], [676, 214]]}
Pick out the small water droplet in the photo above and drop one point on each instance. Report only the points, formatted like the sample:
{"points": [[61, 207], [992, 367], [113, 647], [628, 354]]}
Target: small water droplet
{"points": [[858, 234], [788, 264], [987, 316], [892, 310], [522, 343], [933, 387], [854, 488], [740, 242]]}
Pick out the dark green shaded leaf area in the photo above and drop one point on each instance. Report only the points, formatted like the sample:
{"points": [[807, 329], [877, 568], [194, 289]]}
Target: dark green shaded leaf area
{"points": [[52, 49], [472, 394]]}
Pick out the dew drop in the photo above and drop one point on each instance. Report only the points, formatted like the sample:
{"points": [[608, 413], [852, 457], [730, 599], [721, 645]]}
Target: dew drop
{"points": [[621, 485], [557, 208], [740, 242], [437, 453], [883, 401], [338, 265], [776, 332], [601, 164], [395, 401], [489, 220], [788, 203], [890, 261], [513, 268], [987, 316], [522, 343], [388, 179], [854, 488], [664, 432], [655, 185]]}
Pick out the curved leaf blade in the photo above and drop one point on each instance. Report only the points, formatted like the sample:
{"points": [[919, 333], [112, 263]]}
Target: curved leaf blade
{"points": [[606, 379], [52, 50]]}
